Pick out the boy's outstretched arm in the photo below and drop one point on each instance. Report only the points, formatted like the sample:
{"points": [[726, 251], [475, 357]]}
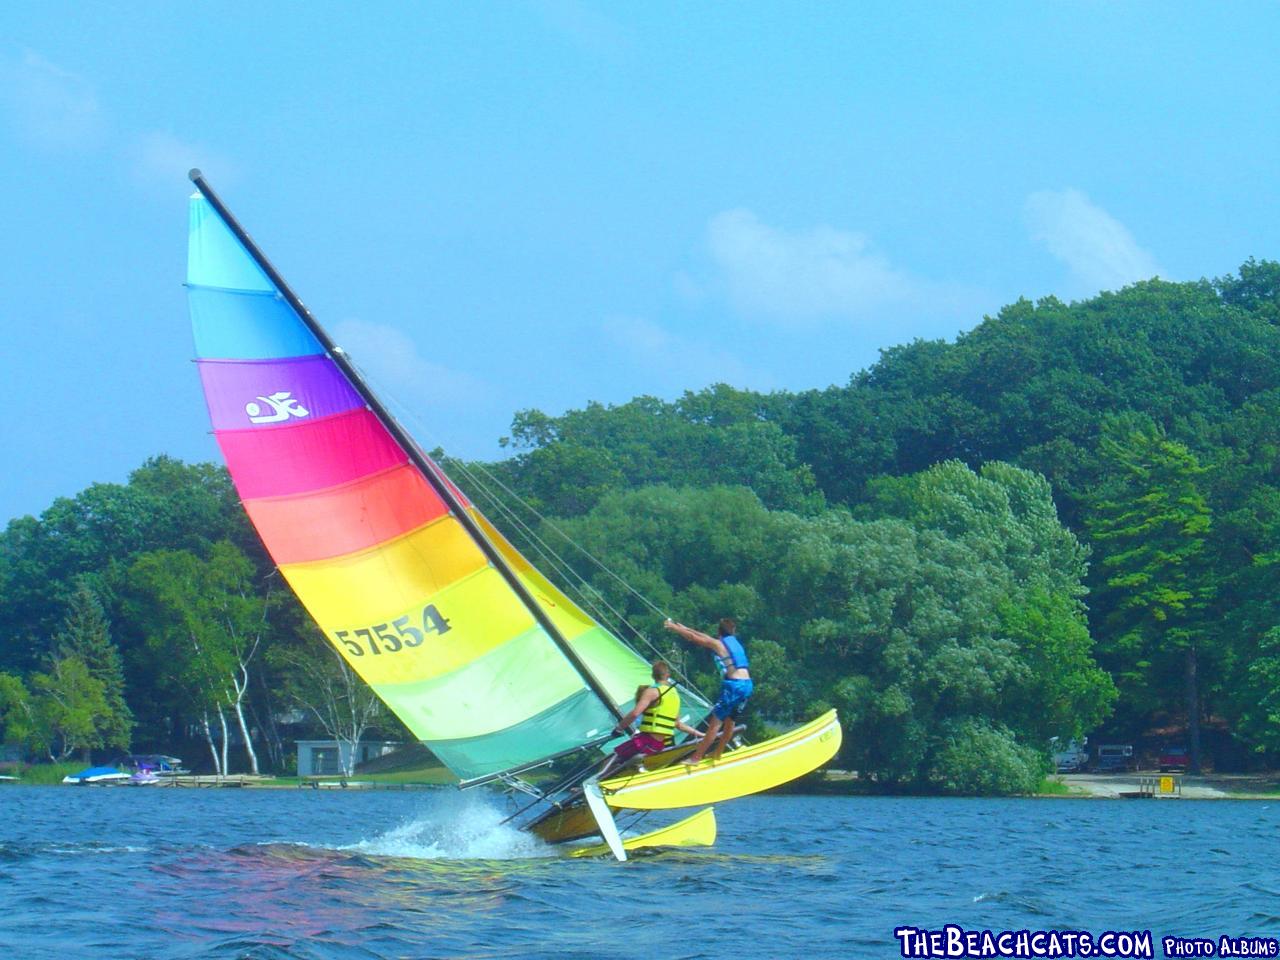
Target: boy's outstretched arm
{"points": [[693, 636]]}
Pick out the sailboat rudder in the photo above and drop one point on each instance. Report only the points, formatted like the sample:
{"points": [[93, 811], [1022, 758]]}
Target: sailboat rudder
{"points": [[604, 818]]}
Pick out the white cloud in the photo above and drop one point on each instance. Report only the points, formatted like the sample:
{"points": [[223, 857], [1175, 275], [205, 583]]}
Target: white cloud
{"points": [[161, 157], [795, 274], [52, 107], [676, 361], [401, 375], [1098, 249]]}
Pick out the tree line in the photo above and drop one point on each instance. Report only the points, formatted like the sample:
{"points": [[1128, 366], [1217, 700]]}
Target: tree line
{"points": [[1152, 413], [1063, 522], [148, 613]]}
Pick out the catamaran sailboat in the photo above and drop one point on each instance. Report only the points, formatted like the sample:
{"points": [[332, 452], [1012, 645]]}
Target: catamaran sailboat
{"points": [[483, 658]]}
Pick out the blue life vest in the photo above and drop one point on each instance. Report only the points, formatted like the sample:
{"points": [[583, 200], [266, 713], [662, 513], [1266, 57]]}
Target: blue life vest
{"points": [[737, 655]]}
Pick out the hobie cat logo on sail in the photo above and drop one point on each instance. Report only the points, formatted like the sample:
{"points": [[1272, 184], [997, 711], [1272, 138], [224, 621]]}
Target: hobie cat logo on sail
{"points": [[279, 406]]}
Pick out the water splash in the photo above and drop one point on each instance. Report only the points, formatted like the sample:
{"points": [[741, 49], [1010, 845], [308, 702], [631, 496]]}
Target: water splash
{"points": [[459, 826]]}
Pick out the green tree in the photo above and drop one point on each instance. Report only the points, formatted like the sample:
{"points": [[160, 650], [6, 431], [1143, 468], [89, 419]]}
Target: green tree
{"points": [[1260, 716], [566, 464], [318, 680], [952, 603], [980, 758], [1151, 522], [71, 709], [86, 635], [205, 622], [95, 535], [18, 722], [1256, 288]]}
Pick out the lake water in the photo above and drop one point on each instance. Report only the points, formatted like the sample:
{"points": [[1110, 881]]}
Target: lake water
{"points": [[178, 873]]}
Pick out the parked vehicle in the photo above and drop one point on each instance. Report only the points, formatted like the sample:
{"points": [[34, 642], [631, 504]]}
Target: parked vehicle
{"points": [[1072, 759], [1174, 760], [1114, 758]]}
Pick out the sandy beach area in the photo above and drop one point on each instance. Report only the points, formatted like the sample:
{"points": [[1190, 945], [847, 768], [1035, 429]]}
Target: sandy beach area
{"points": [[1205, 787]]}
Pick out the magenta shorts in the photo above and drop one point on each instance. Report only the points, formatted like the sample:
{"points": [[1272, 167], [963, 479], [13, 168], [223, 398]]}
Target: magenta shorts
{"points": [[645, 743]]}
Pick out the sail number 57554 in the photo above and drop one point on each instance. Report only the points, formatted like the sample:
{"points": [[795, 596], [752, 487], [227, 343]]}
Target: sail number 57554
{"points": [[394, 636]]}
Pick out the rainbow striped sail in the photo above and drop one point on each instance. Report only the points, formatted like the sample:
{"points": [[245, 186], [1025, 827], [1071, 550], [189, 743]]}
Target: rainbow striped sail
{"points": [[421, 606]]}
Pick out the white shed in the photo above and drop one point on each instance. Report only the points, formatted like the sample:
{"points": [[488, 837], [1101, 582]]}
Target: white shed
{"points": [[327, 758]]}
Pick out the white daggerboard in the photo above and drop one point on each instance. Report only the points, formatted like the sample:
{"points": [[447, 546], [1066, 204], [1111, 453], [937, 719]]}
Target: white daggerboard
{"points": [[604, 818]]}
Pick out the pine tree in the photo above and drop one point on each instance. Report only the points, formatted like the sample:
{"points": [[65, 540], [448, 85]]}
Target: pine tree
{"points": [[1152, 526], [86, 635]]}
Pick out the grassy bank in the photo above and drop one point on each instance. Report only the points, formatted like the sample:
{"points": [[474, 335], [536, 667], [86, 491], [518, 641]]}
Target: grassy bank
{"points": [[844, 783], [433, 774], [46, 773], [422, 776], [1053, 787]]}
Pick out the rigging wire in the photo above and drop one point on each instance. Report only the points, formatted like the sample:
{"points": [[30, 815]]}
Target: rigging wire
{"points": [[589, 595], [567, 568], [586, 593], [573, 543], [562, 566]]}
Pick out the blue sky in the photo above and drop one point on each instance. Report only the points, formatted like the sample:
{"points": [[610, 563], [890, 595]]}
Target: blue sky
{"points": [[497, 206]]}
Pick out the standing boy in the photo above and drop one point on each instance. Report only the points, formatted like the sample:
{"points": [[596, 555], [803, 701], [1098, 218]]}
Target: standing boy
{"points": [[735, 686]]}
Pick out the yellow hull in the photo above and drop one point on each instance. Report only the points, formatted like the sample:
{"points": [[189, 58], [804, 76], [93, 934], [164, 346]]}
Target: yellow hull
{"points": [[560, 826], [696, 831], [736, 774]]}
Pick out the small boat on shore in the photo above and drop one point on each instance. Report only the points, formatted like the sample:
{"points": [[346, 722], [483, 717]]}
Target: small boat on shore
{"points": [[96, 775], [157, 764]]}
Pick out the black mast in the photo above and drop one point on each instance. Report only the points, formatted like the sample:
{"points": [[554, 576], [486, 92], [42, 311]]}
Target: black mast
{"points": [[428, 469]]}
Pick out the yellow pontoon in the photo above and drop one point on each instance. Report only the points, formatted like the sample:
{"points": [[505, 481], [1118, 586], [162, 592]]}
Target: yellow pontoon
{"points": [[696, 831], [737, 773]]}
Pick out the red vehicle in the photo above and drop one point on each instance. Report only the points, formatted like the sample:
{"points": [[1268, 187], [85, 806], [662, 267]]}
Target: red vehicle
{"points": [[1174, 760]]}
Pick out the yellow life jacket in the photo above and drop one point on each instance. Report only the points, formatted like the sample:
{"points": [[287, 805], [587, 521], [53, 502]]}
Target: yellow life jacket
{"points": [[660, 718]]}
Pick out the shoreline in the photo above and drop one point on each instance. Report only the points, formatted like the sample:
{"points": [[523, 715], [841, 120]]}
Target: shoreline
{"points": [[1069, 786], [1226, 786]]}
